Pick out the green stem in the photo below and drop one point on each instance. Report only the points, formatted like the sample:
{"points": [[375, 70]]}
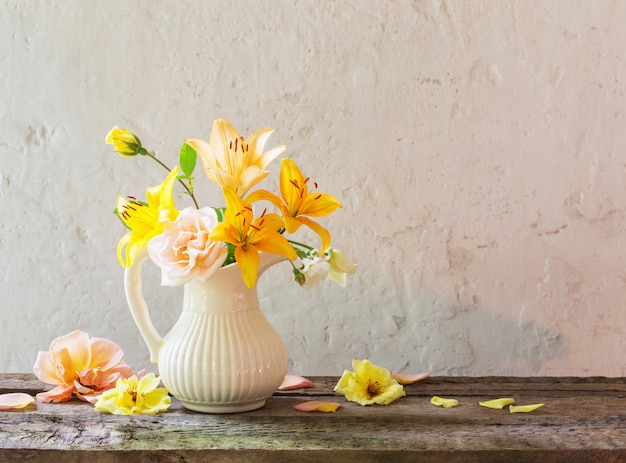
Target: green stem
{"points": [[193, 198], [302, 245]]}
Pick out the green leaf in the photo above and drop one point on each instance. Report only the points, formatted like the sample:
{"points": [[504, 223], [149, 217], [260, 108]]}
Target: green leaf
{"points": [[188, 157], [220, 213], [231, 255]]}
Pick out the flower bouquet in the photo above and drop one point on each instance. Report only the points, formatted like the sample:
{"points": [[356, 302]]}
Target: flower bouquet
{"points": [[222, 355], [193, 243]]}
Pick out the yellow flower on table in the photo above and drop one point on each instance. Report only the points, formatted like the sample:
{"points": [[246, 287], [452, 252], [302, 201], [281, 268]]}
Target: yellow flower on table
{"points": [[135, 396], [249, 235], [231, 161], [145, 219], [369, 384]]}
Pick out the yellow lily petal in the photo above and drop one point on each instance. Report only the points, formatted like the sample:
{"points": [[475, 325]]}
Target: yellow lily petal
{"points": [[497, 404], [15, 400], [317, 406], [410, 379], [146, 220], [524, 408], [445, 403]]}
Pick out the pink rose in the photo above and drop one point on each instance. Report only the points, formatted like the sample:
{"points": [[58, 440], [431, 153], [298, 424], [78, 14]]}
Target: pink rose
{"points": [[185, 252], [80, 366]]}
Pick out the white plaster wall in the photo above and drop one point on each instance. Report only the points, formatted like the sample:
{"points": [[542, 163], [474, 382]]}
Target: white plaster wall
{"points": [[477, 147]]}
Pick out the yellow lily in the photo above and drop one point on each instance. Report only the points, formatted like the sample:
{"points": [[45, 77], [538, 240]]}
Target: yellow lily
{"points": [[125, 142], [249, 235], [298, 204], [145, 220], [231, 161]]}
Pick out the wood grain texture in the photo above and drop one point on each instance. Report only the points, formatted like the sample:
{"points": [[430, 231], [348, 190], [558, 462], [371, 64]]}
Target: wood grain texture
{"points": [[583, 420]]}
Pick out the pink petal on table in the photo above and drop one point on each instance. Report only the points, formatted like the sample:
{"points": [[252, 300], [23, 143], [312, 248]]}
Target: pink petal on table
{"points": [[15, 400], [317, 406], [294, 382], [410, 379]]}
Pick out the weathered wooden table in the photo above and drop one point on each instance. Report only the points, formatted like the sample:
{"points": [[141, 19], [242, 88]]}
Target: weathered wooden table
{"points": [[583, 420]]}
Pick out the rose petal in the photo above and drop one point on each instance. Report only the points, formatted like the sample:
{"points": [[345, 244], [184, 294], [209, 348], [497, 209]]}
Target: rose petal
{"points": [[445, 403], [317, 406], [497, 404], [58, 394], [15, 400], [410, 379], [524, 408], [294, 382]]}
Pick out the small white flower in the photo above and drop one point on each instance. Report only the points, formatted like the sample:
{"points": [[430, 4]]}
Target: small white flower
{"points": [[339, 266], [314, 269]]}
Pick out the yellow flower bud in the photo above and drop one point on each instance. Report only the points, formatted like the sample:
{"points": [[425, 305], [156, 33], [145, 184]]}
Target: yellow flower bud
{"points": [[125, 142]]}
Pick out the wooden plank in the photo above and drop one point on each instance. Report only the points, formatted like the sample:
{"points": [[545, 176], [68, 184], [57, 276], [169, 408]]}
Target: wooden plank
{"points": [[437, 385], [583, 420]]}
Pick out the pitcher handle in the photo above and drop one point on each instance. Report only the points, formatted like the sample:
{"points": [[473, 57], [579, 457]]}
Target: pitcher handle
{"points": [[138, 307]]}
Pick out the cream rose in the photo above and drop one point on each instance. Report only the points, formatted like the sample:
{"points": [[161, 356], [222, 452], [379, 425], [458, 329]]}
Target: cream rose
{"points": [[185, 252]]}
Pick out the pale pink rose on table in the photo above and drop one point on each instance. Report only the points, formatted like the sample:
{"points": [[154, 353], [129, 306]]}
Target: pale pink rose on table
{"points": [[185, 252], [81, 366]]}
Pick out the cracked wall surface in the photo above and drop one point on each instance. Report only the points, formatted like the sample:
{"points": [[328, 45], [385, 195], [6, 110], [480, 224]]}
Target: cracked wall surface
{"points": [[477, 149]]}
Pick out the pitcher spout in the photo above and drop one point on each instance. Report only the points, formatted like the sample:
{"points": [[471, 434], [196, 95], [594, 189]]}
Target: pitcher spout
{"points": [[267, 259]]}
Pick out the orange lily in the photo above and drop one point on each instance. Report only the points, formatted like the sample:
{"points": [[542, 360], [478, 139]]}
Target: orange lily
{"points": [[298, 204], [249, 235]]}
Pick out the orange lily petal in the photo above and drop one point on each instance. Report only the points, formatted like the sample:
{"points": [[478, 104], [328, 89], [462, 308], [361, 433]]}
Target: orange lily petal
{"points": [[410, 379], [321, 231], [319, 205], [294, 382], [317, 406], [248, 260], [264, 195], [524, 408], [290, 177], [15, 400], [497, 404]]}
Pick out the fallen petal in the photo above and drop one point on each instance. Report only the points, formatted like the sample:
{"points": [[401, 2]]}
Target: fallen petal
{"points": [[445, 403], [497, 404], [294, 382], [524, 408], [410, 379], [15, 400], [317, 406]]}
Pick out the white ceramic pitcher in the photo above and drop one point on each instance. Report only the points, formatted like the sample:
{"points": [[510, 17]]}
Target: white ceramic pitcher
{"points": [[222, 355]]}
